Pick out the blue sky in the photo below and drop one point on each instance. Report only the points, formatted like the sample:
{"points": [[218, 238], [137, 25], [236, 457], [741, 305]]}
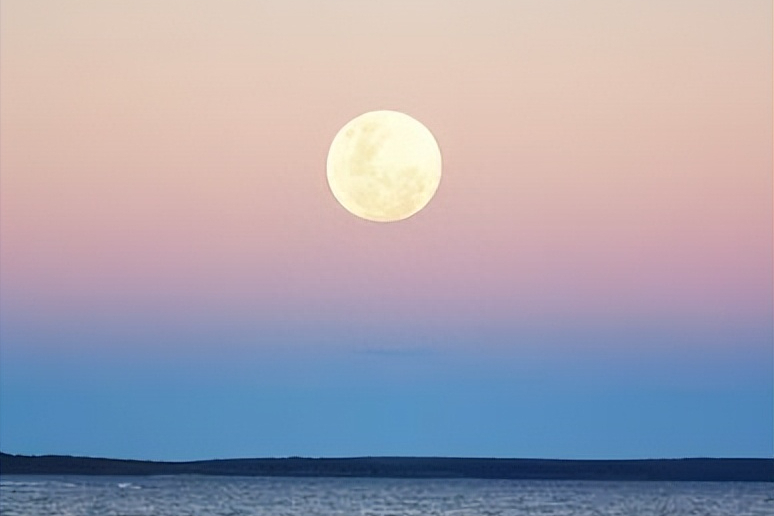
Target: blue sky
{"points": [[347, 399]]}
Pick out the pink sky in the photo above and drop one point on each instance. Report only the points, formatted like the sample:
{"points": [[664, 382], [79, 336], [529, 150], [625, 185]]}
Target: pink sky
{"points": [[602, 161]]}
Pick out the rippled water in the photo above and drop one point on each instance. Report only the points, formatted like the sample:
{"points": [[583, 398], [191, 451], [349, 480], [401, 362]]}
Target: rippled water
{"points": [[235, 496]]}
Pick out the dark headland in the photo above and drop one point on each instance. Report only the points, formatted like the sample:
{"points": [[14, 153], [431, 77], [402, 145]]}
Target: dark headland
{"points": [[692, 469]]}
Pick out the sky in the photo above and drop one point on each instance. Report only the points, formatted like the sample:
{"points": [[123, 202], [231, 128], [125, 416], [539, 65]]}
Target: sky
{"points": [[593, 278]]}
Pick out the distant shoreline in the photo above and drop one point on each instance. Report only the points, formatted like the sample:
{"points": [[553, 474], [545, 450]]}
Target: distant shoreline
{"points": [[689, 469]]}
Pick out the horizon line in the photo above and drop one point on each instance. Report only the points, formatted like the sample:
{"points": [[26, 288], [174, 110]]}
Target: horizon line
{"points": [[355, 457]]}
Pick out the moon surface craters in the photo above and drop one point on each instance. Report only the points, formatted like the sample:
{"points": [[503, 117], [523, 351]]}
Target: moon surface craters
{"points": [[384, 166]]}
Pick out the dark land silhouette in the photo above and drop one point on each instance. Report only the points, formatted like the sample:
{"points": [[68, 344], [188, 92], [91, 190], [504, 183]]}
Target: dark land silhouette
{"points": [[692, 469]]}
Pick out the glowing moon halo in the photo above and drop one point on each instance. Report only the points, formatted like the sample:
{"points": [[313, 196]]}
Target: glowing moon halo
{"points": [[384, 166]]}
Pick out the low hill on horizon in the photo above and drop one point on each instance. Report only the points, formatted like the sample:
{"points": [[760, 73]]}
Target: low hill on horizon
{"points": [[688, 469]]}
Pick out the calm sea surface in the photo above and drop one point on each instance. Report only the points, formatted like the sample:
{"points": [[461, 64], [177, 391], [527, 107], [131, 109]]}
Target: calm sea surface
{"points": [[234, 496]]}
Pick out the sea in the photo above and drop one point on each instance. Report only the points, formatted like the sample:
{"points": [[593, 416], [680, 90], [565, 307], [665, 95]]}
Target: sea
{"points": [[259, 496]]}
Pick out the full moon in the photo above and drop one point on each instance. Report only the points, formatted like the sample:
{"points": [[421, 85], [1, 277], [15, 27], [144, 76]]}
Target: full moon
{"points": [[384, 166]]}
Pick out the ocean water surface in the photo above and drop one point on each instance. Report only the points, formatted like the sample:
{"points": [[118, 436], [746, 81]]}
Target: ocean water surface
{"points": [[259, 496]]}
